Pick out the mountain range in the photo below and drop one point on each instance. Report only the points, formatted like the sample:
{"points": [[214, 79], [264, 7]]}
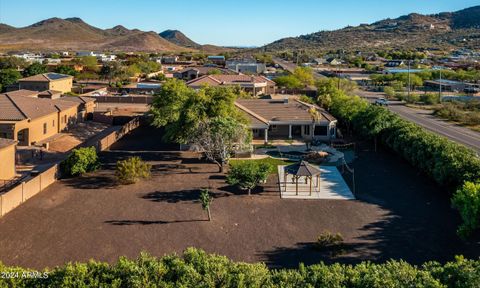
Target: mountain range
{"points": [[74, 34], [413, 31]]}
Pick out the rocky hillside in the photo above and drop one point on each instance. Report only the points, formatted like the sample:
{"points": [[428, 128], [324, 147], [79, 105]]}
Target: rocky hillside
{"points": [[179, 39], [443, 30], [73, 33]]}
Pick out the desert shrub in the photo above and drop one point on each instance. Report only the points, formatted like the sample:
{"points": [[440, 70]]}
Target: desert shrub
{"points": [[80, 161], [430, 98], [449, 111], [329, 242], [248, 174], [389, 91], [467, 201], [131, 170]]}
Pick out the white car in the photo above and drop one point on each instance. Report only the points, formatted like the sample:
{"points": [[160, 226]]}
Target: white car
{"points": [[381, 102]]}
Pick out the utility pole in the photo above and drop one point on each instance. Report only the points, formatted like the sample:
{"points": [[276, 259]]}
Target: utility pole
{"points": [[408, 79], [440, 87]]}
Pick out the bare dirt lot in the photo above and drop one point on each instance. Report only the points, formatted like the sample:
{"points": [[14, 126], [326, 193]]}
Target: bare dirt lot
{"points": [[399, 214]]}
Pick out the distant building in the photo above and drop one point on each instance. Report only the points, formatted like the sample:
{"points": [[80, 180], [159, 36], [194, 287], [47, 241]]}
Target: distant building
{"points": [[394, 63], [245, 66], [86, 53], [190, 73], [47, 81], [169, 59], [217, 60]]}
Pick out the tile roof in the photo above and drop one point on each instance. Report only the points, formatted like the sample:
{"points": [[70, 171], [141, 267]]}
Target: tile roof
{"points": [[221, 79], [49, 92], [45, 77], [277, 110], [6, 142], [78, 99], [23, 92], [17, 108], [205, 69]]}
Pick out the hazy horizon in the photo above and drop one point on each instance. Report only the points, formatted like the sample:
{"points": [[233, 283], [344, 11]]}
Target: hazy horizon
{"points": [[255, 23]]}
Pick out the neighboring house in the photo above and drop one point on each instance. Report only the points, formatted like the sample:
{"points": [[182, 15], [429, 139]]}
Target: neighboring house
{"points": [[47, 81], [334, 61], [287, 119], [217, 60], [194, 72], [169, 59], [257, 85], [7, 158], [29, 120], [85, 53]]}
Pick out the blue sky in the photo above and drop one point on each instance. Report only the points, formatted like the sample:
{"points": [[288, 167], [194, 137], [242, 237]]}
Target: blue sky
{"points": [[234, 23]]}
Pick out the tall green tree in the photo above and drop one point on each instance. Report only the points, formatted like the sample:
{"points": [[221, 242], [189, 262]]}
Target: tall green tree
{"points": [[34, 69], [8, 77]]}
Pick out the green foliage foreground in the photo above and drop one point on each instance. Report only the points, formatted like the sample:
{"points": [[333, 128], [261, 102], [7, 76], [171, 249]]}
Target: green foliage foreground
{"points": [[198, 269]]}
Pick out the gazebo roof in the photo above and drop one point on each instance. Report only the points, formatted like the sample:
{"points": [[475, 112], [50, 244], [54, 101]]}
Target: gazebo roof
{"points": [[302, 168]]}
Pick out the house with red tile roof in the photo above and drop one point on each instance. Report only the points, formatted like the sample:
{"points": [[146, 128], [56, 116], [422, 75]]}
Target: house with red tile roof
{"points": [[256, 85]]}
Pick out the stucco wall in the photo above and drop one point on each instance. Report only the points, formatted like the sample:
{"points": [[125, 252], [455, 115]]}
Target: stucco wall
{"points": [[7, 160], [35, 127]]}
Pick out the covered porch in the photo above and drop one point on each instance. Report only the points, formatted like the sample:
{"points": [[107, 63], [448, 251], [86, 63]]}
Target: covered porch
{"points": [[297, 131]]}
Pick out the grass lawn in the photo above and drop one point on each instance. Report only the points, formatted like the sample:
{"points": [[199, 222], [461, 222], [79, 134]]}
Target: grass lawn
{"points": [[273, 162]]}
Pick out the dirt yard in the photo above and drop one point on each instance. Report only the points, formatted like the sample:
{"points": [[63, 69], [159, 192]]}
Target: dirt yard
{"points": [[398, 215]]}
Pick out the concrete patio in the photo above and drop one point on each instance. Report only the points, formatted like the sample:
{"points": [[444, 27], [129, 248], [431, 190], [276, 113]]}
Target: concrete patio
{"points": [[332, 186]]}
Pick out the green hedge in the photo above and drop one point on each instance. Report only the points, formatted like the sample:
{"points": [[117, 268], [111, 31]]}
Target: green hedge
{"points": [[198, 269], [450, 164]]}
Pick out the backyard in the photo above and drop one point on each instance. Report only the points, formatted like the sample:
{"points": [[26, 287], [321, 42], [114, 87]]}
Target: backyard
{"points": [[398, 214]]}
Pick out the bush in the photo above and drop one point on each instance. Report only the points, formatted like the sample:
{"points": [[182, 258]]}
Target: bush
{"points": [[430, 98], [389, 91], [131, 170], [467, 201], [80, 161], [195, 268], [330, 242], [248, 174]]}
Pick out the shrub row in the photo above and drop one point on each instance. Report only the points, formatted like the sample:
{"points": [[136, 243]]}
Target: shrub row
{"points": [[450, 164], [198, 269]]}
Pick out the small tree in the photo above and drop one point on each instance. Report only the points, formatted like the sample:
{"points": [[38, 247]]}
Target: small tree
{"points": [[219, 138], [206, 200], [248, 174], [132, 169], [80, 161]]}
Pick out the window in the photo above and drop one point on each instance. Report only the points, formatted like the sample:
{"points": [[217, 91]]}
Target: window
{"points": [[53, 123], [44, 128], [321, 130], [64, 118], [306, 130]]}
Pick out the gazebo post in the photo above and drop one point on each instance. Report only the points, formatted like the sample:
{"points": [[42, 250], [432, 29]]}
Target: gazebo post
{"points": [[296, 186], [311, 180], [285, 180]]}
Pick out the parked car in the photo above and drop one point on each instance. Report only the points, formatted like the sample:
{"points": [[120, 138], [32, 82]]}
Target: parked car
{"points": [[381, 102]]}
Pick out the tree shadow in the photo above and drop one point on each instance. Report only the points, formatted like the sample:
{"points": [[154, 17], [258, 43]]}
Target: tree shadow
{"points": [[306, 253], [149, 222], [191, 196], [92, 182]]}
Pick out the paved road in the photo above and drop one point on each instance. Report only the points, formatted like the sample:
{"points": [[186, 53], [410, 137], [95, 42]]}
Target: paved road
{"points": [[425, 118], [290, 66]]}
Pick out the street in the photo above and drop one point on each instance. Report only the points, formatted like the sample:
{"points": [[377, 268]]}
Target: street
{"points": [[425, 119]]}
